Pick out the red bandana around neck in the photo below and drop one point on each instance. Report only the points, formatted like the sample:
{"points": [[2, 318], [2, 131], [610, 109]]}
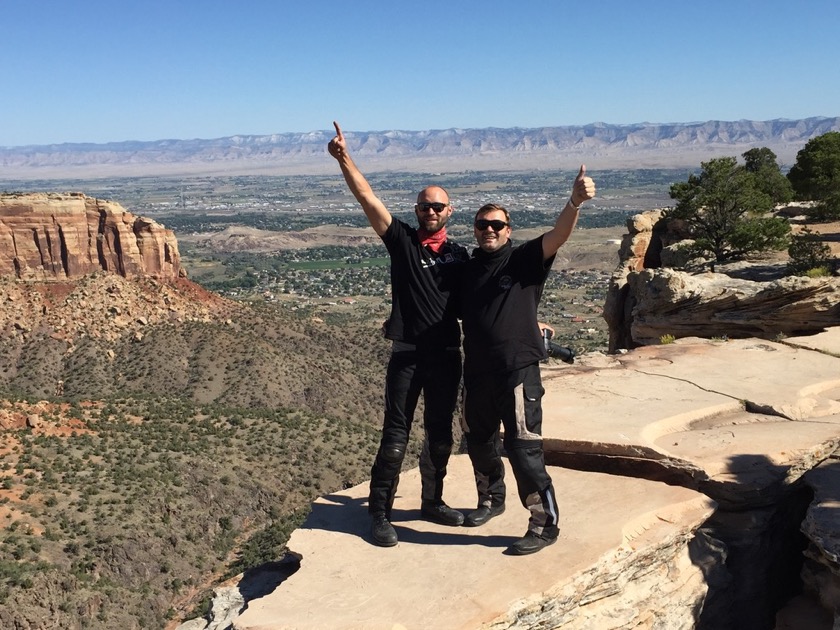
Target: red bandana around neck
{"points": [[432, 240]]}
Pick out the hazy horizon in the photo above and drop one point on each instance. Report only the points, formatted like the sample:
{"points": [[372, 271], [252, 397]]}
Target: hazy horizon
{"points": [[304, 132]]}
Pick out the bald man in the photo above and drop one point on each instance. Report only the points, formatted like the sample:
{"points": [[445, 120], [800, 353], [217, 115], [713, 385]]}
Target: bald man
{"points": [[426, 338]]}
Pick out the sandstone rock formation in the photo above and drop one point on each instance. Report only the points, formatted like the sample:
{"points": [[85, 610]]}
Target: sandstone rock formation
{"points": [[659, 302], [49, 236], [647, 300], [621, 546], [686, 474]]}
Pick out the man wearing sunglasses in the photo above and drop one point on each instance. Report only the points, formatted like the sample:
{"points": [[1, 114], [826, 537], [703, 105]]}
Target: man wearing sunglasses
{"points": [[426, 340], [500, 289]]}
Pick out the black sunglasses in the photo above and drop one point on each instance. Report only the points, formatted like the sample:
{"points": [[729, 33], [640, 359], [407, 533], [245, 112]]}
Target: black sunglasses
{"points": [[437, 206], [497, 224]]}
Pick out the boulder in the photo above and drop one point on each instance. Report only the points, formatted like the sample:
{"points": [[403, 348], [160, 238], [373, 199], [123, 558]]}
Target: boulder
{"points": [[648, 299], [660, 302]]}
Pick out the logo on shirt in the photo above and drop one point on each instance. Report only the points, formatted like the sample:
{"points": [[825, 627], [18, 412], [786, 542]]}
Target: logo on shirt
{"points": [[440, 260], [505, 283]]}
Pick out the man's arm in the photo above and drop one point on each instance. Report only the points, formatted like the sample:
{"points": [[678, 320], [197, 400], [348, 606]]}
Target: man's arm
{"points": [[583, 190], [375, 210]]}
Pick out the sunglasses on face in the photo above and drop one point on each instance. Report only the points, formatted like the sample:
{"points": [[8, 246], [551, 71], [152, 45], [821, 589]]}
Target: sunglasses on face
{"points": [[425, 206], [497, 224]]}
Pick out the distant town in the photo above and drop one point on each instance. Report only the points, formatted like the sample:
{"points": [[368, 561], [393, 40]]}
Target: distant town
{"points": [[229, 233]]}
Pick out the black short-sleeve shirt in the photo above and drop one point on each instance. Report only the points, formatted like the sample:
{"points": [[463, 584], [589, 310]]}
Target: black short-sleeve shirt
{"points": [[499, 294], [423, 285]]}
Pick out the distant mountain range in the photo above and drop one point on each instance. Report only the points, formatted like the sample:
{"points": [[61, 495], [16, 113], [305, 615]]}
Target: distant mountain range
{"points": [[642, 145]]}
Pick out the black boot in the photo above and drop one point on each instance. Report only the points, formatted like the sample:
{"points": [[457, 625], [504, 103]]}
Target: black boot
{"points": [[531, 542], [441, 513], [483, 514], [382, 531]]}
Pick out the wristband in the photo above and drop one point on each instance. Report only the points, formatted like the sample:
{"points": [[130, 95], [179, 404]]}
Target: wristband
{"points": [[572, 203]]}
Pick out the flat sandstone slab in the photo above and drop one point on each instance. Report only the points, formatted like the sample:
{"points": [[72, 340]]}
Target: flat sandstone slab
{"points": [[698, 404], [798, 383], [827, 341], [443, 577]]}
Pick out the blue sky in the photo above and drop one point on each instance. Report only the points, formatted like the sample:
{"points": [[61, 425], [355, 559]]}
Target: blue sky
{"points": [[102, 71]]}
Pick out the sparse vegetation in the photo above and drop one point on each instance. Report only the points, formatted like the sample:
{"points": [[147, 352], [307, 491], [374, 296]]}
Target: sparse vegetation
{"points": [[138, 484], [175, 459]]}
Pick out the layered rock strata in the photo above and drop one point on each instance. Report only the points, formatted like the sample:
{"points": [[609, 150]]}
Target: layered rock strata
{"points": [[648, 300], [49, 236], [742, 421]]}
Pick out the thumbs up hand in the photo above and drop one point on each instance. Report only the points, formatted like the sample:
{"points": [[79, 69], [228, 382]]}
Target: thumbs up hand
{"points": [[584, 187]]}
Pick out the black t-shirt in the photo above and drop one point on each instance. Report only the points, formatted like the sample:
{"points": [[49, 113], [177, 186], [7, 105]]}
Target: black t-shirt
{"points": [[499, 295], [423, 283]]}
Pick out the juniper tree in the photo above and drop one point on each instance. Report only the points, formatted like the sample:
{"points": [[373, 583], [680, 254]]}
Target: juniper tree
{"points": [[724, 208]]}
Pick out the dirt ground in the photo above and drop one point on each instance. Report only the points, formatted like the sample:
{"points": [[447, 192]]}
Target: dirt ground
{"points": [[830, 233]]}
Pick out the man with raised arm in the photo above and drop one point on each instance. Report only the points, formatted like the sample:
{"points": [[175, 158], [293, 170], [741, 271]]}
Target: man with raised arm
{"points": [[426, 338], [500, 289]]}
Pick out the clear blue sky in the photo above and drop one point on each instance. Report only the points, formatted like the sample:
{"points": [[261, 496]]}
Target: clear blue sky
{"points": [[112, 70]]}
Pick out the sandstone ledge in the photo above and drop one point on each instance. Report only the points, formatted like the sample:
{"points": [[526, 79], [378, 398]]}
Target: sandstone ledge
{"points": [[734, 427], [440, 577]]}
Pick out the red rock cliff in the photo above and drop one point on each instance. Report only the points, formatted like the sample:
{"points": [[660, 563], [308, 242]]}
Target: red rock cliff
{"points": [[46, 236]]}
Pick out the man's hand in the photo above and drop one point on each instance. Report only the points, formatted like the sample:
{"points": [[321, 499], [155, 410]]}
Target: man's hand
{"points": [[375, 210], [583, 188], [337, 146]]}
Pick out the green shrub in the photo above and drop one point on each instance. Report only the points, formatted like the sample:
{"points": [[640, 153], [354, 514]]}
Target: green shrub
{"points": [[807, 252], [818, 272]]}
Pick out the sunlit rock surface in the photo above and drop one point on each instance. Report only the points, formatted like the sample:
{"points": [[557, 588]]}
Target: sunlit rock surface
{"points": [[616, 532], [57, 236], [697, 489]]}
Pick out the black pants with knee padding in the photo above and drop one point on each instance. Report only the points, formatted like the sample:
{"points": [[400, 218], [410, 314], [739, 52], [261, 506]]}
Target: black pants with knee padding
{"points": [[436, 372], [514, 399]]}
